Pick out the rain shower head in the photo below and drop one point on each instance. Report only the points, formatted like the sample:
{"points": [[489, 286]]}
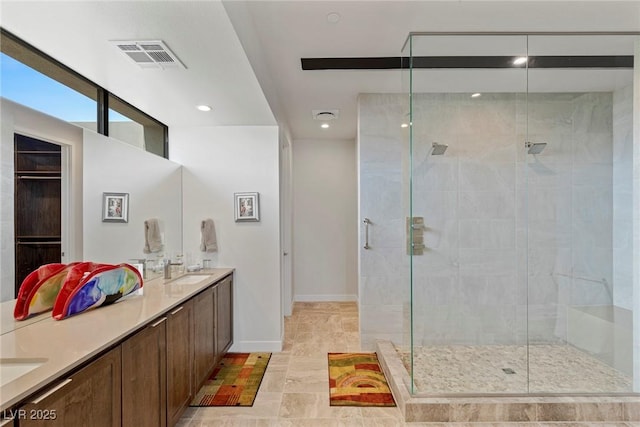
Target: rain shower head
{"points": [[535, 147], [438, 149]]}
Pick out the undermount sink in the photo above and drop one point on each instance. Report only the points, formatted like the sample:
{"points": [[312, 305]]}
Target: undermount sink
{"points": [[10, 369], [190, 279]]}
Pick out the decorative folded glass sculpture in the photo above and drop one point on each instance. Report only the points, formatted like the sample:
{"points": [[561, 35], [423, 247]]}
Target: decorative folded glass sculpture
{"points": [[39, 290], [69, 289], [91, 285]]}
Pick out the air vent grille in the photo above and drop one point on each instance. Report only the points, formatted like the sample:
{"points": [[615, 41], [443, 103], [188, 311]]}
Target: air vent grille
{"points": [[127, 47], [326, 114], [151, 47], [149, 53]]}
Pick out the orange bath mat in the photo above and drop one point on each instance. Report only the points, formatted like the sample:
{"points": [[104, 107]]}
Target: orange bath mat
{"points": [[234, 382], [356, 379]]}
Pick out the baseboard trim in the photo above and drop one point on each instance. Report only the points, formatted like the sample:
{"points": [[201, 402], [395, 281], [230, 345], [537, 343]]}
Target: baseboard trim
{"points": [[325, 298], [256, 346]]}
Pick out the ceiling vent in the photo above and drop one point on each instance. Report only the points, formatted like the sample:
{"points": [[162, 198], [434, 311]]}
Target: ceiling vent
{"points": [[325, 115], [149, 53]]}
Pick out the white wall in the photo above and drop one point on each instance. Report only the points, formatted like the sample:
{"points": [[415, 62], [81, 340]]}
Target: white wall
{"points": [[217, 162], [154, 185], [325, 225]]}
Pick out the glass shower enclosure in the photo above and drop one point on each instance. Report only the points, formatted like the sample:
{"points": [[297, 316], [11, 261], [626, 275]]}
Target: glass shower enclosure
{"points": [[503, 187], [520, 223]]}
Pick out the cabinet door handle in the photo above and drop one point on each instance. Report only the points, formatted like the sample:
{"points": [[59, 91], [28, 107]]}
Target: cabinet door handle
{"points": [[177, 310], [51, 391], [158, 322]]}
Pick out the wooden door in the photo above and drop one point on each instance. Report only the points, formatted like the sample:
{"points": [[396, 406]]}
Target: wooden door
{"points": [[37, 205], [144, 385]]}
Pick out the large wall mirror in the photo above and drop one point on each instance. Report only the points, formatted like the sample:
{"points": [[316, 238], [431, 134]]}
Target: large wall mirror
{"points": [[91, 165]]}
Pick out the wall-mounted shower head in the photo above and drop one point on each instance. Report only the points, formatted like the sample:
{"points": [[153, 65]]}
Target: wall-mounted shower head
{"points": [[438, 149], [535, 147]]}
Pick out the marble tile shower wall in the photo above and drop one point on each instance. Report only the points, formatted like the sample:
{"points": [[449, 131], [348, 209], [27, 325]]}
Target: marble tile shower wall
{"points": [[496, 218]]}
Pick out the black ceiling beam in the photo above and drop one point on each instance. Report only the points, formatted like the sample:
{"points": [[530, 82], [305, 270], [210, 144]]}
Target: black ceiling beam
{"points": [[434, 62]]}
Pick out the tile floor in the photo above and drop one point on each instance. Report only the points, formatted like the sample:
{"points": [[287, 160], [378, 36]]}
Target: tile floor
{"points": [[294, 391]]}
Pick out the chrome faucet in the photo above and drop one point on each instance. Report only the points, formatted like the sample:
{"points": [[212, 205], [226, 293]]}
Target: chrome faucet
{"points": [[167, 268]]}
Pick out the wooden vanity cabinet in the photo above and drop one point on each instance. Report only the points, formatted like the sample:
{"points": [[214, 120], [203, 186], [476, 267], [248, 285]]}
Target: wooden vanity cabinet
{"points": [[144, 377], [204, 337], [151, 377], [180, 348], [90, 397], [224, 316]]}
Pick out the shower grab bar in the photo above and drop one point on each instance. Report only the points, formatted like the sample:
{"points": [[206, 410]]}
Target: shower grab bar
{"points": [[366, 221]]}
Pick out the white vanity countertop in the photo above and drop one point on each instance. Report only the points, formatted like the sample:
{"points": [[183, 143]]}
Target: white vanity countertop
{"points": [[65, 344]]}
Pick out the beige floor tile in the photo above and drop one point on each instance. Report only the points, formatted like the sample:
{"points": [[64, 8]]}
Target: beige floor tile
{"points": [[319, 344], [382, 422], [313, 405], [287, 345], [349, 307], [319, 323], [274, 379], [312, 422], [307, 374], [279, 359], [266, 405], [350, 324], [223, 422], [381, 413]]}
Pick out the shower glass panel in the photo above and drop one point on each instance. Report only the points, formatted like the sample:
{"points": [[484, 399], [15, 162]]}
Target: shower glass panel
{"points": [[468, 263], [579, 206], [521, 213]]}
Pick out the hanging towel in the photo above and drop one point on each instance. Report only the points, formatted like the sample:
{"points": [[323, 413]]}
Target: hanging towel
{"points": [[152, 237], [208, 242]]}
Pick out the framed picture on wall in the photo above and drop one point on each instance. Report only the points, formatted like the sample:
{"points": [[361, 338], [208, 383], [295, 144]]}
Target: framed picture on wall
{"points": [[115, 207], [247, 206]]}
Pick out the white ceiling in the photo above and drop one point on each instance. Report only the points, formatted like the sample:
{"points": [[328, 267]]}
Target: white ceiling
{"points": [[243, 58]]}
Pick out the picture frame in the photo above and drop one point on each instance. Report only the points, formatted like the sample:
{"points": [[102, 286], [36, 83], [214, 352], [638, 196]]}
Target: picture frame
{"points": [[247, 206], [115, 207]]}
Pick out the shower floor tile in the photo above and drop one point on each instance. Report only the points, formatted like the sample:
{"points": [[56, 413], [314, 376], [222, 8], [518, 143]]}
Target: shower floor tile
{"points": [[503, 369]]}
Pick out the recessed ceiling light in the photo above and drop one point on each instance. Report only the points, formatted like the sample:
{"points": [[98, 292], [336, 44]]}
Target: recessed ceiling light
{"points": [[404, 125], [520, 60], [324, 125], [333, 17], [203, 107], [476, 95]]}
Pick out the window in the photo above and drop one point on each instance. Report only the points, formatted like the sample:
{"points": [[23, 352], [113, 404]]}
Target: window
{"points": [[32, 78], [131, 125]]}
